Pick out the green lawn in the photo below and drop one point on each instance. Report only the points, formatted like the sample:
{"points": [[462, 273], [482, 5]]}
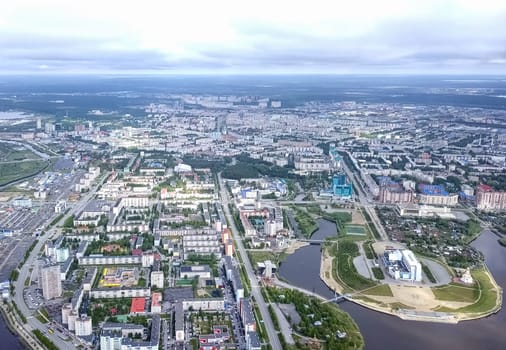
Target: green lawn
{"points": [[456, 293], [10, 153], [261, 256], [13, 171], [381, 290], [483, 293], [307, 224], [343, 268], [369, 251]]}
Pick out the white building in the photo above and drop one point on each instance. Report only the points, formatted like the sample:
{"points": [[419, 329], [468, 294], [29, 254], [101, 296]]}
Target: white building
{"points": [[402, 264], [110, 260], [104, 293], [204, 304], [157, 279], [83, 326], [192, 271], [49, 281]]}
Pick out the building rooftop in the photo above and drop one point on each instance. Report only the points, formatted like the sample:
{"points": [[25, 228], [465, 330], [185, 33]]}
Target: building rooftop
{"points": [[138, 305]]}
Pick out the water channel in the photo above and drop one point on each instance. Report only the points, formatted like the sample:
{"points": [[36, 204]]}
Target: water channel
{"points": [[383, 331]]}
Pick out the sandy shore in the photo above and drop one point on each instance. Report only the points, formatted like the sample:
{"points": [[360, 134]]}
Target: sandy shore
{"points": [[326, 272], [294, 245]]}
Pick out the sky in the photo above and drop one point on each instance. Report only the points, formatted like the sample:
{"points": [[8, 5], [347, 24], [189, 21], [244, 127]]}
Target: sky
{"points": [[253, 37]]}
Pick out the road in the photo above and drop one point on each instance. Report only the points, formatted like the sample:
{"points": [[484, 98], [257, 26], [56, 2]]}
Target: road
{"points": [[255, 288], [24, 272], [364, 202]]}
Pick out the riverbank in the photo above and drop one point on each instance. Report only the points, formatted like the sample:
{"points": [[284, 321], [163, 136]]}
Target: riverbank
{"points": [[293, 246], [16, 328], [414, 302]]}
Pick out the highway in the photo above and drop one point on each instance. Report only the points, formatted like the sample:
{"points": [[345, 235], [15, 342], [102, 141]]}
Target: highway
{"points": [[255, 288], [24, 272]]}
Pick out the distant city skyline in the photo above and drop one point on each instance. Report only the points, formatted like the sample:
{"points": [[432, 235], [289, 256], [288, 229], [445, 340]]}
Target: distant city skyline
{"points": [[264, 37]]}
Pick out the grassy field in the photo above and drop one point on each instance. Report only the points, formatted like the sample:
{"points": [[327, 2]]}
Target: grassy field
{"points": [[369, 251], [12, 153], [261, 256], [344, 269], [381, 290], [483, 293], [307, 224], [13, 171], [453, 292]]}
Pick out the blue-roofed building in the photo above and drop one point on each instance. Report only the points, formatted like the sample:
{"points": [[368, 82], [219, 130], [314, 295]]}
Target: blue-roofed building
{"points": [[340, 187], [432, 190]]}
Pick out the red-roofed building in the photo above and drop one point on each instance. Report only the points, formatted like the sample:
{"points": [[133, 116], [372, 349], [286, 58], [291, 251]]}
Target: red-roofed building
{"points": [[136, 252], [138, 306]]}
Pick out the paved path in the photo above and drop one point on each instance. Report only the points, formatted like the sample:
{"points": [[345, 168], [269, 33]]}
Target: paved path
{"points": [[439, 272], [284, 325]]}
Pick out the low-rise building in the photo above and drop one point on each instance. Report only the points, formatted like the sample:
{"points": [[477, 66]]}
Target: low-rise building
{"points": [[192, 271]]}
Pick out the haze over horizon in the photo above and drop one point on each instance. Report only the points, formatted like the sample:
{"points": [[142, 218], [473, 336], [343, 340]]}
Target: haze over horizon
{"points": [[228, 37]]}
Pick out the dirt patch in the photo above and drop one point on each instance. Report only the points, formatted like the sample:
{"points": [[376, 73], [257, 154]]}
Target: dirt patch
{"points": [[416, 297], [294, 245], [357, 218]]}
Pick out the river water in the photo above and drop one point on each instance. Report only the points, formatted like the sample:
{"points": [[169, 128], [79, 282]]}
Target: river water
{"points": [[383, 331], [7, 339]]}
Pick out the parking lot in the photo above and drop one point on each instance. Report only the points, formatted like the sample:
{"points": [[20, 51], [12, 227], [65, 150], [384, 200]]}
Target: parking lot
{"points": [[33, 297]]}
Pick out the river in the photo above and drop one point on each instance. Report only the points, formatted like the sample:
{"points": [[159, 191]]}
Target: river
{"points": [[383, 331], [8, 340]]}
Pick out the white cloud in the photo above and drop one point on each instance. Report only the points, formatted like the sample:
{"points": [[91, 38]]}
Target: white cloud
{"points": [[259, 35]]}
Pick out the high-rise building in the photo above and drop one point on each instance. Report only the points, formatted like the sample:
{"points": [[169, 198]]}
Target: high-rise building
{"points": [[49, 281], [49, 128], [83, 326], [39, 123], [488, 199], [340, 188]]}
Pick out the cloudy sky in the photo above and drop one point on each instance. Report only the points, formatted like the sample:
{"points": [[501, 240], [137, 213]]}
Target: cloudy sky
{"points": [[273, 36]]}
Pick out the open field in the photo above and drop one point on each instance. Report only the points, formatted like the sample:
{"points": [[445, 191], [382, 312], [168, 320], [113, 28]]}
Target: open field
{"points": [[12, 153], [260, 256], [381, 290], [484, 292], [343, 268], [13, 171], [457, 292]]}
